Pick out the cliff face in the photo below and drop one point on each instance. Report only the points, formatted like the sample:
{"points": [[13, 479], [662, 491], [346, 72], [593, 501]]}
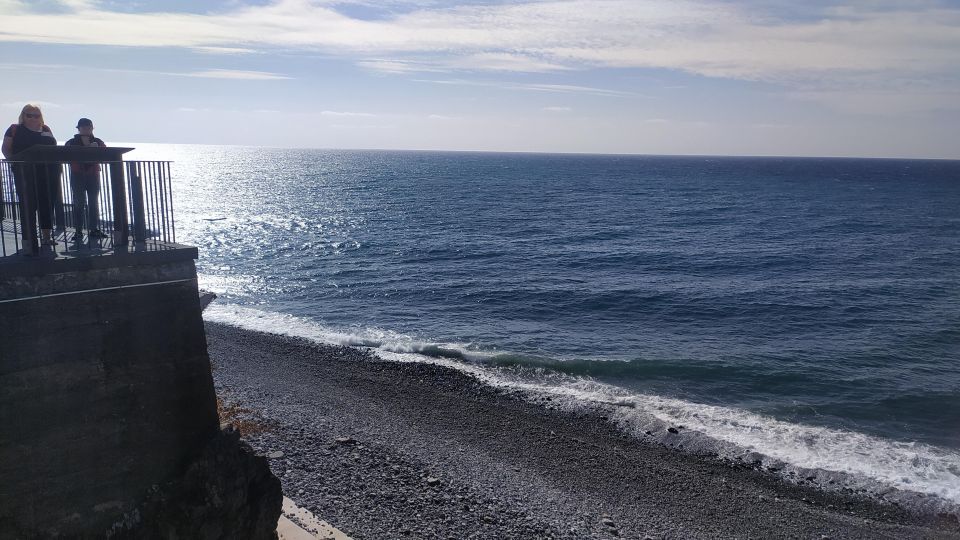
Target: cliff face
{"points": [[108, 422], [226, 492]]}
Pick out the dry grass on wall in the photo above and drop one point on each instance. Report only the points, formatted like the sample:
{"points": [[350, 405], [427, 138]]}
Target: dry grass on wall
{"points": [[244, 420]]}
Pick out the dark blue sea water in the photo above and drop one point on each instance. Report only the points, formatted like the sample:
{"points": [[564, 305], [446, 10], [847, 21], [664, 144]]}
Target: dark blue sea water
{"points": [[804, 309]]}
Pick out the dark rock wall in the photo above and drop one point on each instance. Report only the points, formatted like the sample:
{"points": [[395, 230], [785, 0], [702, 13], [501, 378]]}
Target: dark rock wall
{"points": [[106, 396], [226, 493]]}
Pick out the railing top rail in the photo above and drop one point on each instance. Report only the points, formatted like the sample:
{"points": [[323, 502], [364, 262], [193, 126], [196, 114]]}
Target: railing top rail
{"points": [[72, 160], [44, 152]]}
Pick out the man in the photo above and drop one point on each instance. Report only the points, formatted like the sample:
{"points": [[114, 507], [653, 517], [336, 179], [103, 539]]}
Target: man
{"points": [[85, 184]]}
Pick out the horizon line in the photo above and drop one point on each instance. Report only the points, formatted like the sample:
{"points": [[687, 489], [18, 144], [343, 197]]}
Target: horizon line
{"points": [[557, 153]]}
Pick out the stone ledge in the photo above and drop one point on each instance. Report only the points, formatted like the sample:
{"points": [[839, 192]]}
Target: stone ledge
{"points": [[157, 253], [121, 272]]}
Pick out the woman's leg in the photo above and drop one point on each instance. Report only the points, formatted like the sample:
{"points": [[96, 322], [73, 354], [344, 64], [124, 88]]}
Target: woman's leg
{"points": [[25, 183], [44, 203], [54, 173]]}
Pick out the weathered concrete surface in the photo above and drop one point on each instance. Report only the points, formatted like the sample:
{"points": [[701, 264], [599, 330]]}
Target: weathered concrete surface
{"points": [[104, 395], [17, 285]]}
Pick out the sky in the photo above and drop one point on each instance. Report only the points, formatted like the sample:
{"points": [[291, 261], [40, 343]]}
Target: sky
{"points": [[722, 77]]}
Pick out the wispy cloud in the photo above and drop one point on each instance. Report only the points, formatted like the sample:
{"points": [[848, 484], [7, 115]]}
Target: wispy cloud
{"points": [[225, 110], [400, 66], [204, 74], [557, 109], [502, 61], [573, 89], [535, 87], [224, 50], [741, 40], [234, 74], [366, 127], [38, 68], [344, 113]]}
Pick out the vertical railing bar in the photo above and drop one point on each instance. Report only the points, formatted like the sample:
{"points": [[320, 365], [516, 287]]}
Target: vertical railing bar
{"points": [[141, 219], [101, 203], [164, 206], [134, 219], [29, 193], [145, 195], [161, 218], [59, 208], [173, 221], [162, 188], [11, 196], [3, 208], [145, 183], [148, 213], [153, 201], [161, 204], [104, 195], [148, 195], [3, 214], [131, 221], [131, 212], [67, 194], [167, 236], [18, 224], [162, 222], [107, 204]]}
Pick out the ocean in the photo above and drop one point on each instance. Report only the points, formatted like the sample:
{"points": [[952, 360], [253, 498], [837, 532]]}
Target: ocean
{"points": [[803, 312]]}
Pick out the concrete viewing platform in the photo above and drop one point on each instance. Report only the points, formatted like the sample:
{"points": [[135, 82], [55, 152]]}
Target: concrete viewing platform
{"points": [[11, 244], [68, 256], [75, 272]]}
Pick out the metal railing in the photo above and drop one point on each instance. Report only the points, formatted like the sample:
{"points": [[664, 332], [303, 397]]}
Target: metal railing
{"points": [[131, 201]]}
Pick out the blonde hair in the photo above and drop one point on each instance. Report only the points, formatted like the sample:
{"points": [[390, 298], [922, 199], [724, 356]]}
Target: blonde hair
{"points": [[29, 107]]}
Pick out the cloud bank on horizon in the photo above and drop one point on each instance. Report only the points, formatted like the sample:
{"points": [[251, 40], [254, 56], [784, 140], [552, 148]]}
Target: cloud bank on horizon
{"points": [[873, 58]]}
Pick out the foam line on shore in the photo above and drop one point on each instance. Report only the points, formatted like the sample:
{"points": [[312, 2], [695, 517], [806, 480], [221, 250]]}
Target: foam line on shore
{"points": [[862, 460]]}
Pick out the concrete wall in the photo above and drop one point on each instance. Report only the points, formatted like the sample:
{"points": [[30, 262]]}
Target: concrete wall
{"points": [[105, 391]]}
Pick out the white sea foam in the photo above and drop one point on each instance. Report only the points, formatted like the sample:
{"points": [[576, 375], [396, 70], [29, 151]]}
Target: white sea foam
{"points": [[861, 459]]}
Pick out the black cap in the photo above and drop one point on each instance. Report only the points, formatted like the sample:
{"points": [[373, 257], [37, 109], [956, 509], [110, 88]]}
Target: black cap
{"points": [[84, 122]]}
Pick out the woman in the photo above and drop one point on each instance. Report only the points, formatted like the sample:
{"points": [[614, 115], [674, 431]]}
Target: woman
{"points": [[31, 131]]}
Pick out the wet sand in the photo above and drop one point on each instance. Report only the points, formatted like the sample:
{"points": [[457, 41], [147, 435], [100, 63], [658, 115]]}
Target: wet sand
{"points": [[389, 450]]}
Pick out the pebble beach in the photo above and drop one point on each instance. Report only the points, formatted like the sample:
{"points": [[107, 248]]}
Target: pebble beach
{"points": [[406, 450]]}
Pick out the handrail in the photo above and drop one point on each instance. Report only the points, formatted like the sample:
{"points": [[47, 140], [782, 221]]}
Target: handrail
{"points": [[122, 199]]}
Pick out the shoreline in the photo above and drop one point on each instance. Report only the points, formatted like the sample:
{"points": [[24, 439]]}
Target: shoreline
{"points": [[385, 449]]}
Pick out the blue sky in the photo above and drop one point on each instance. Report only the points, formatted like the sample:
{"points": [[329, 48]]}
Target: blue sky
{"points": [[753, 77]]}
